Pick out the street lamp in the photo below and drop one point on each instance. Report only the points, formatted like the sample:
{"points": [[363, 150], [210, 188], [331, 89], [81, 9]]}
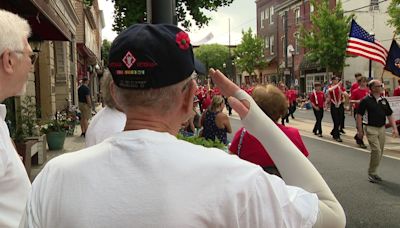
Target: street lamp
{"points": [[291, 53]]}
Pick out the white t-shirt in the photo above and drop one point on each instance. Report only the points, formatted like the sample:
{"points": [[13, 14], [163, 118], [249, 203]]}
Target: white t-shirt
{"points": [[145, 178], [14, 182], [104, 124]]}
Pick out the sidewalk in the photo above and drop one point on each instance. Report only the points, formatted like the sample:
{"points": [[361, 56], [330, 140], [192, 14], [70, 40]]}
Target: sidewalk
{"points": [[71, 144], [392, 145]]}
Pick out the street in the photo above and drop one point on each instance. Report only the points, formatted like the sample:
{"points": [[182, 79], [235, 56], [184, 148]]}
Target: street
{"points": [[345, 170]]}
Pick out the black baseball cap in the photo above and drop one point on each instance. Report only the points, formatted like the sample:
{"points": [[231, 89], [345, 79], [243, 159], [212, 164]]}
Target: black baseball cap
{"points": [[148, 56]]}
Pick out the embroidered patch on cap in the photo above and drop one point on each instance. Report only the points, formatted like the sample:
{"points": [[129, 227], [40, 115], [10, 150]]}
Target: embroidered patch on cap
{"points": [[129, 60]]}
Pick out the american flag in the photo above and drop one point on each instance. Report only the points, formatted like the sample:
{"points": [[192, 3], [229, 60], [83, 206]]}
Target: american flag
{"points": [[361, 43]]}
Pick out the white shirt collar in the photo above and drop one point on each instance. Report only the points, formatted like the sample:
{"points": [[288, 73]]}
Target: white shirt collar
{"points": [[3, 111]]}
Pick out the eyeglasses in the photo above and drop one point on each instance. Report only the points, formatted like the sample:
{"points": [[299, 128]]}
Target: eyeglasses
{"points": [[378, 86], [32, 56]]}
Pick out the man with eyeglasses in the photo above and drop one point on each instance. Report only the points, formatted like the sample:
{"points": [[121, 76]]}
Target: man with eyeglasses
{"points": [[15, 64], [372, 112]]}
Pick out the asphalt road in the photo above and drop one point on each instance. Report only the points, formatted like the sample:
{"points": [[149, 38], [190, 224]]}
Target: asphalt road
{"points": [[345, 170]]}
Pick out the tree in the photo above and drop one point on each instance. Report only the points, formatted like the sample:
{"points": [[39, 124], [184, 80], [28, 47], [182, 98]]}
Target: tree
{"points": [[327, 40], [250, 53], [213, 56], [128, 12], [105, 50], [394, 13]]}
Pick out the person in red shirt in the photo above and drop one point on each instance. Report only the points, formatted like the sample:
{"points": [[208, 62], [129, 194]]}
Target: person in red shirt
{"points": [[355, 84], [396, 91], [336, 92], [206, 101], [317, 99], [285, 116], [273, 102], [356, 96], [292, 96]]}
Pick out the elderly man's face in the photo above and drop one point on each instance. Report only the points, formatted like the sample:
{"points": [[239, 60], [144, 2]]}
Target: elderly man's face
{"points": [[22, 67]]}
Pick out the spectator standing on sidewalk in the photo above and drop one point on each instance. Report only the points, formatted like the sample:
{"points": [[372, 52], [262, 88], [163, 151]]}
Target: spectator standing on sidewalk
{"points": [[317, 98], [356, 96], [336, 92], [272, 101], [85, 105], [16, 61], [146, 177], [373, 111], [109, 120]]}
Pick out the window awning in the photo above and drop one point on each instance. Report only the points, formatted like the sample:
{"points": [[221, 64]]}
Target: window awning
{"points": [[44, 21], [87, 53]]}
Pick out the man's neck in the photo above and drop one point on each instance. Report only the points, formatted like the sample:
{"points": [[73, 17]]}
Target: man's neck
{"points": [[137, 120], [376, 95]]}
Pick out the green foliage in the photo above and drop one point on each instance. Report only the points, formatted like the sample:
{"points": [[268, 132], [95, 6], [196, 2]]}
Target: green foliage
{"points": [[105, 50], [327, 40], [213, 56], [394, 13], [88, 2], [250, 53], [26, 120], [128, 12], [202, 141]]}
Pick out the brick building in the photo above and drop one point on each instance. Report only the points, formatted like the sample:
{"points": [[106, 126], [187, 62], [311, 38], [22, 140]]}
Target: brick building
{"points": [[286, 64]]}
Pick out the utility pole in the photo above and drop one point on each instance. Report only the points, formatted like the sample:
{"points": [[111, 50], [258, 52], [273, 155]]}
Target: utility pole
{"points": [[162, 11]]}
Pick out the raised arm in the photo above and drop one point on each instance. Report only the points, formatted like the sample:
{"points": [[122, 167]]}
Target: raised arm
{"points": [[294, 167]]}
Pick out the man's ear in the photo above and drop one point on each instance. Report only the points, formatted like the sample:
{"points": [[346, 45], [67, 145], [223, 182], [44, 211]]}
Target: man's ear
{"points": [[7, 62], [187, 104]]}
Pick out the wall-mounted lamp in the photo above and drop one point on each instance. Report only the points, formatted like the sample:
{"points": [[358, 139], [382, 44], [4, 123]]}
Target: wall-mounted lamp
{"points": [[35, 45]]}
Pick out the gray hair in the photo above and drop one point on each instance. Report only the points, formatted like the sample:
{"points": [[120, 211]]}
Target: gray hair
{"points": [[160, 100], [105, 90], [13, 29]]}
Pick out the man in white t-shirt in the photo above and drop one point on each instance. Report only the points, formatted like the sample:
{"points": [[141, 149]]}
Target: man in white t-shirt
{"points": [[146, 177], [16, 59], [109, 120]]}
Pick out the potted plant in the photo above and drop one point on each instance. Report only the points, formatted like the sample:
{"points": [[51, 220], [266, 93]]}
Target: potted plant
{"points": [[27, 138], [57, 128]]}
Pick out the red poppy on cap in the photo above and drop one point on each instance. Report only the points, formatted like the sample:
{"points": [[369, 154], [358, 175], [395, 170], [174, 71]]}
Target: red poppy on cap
{"points": [[183, 40]]}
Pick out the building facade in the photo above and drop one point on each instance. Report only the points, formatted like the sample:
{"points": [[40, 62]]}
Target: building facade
{"points": [[55, 25], [88, 43]]}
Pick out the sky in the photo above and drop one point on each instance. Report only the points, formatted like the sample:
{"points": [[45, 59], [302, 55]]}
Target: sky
{"points": [[241, 13]]}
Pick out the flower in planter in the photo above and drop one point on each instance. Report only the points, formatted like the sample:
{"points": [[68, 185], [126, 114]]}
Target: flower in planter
{"points": [[61, 122]]}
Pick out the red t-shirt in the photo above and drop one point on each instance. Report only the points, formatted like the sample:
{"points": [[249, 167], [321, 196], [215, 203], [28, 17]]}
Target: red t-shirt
{"points": [[359, 94], [292, 95], [320, 98], [253, 151], [354, 86], [396, 92], [337, 98]]}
